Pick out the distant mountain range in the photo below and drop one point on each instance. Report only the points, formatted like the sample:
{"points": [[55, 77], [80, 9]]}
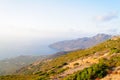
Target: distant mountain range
{"points": [[80, 43]]}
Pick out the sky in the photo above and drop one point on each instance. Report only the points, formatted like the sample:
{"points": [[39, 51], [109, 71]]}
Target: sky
{"points": [[25, 22]]}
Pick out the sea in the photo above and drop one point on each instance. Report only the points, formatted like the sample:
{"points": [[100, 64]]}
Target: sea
{"points": [[33, 49]]}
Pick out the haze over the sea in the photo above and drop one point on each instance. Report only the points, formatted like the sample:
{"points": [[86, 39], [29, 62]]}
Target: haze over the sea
{"points": [[27, 27]]}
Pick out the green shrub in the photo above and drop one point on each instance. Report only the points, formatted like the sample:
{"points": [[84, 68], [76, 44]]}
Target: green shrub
{"points": [[91, 73], [115, 50]]}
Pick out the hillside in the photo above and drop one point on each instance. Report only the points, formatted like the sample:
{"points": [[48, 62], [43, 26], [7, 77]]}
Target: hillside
{"points": [[94, 63], [80, 43], [8, 66], [21, 61]]}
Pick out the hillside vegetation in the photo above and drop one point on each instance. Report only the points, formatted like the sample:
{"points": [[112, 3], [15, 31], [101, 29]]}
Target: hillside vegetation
{"points": [[106, 55]]}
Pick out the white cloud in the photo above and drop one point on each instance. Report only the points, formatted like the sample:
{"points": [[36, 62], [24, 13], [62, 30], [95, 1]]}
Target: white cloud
{"points": [[108, 17]]}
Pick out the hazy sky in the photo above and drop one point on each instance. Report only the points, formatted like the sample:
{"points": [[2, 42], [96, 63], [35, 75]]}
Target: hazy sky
{"points": [[24, 21]]}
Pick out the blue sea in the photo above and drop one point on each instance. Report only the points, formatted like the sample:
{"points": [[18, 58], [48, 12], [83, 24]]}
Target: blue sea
{"points": [[31, 48]]}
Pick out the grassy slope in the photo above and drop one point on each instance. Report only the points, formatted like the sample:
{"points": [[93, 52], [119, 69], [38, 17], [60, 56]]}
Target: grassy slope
{"points": [[97, 71]]}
